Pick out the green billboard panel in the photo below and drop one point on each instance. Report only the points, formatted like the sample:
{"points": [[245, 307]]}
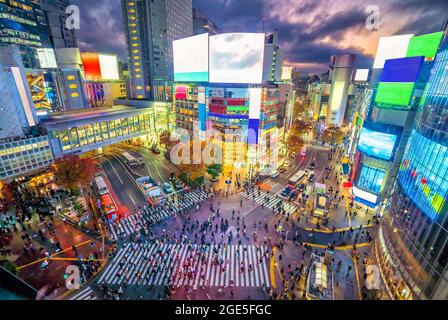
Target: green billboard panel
{"points": [[394, 93], [425, 45]]}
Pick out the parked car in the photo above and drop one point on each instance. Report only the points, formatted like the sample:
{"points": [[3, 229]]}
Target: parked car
{"points": [[282, 169], [155, 149], [274, 174], [286, 192], [311, 177], [167, 188]]}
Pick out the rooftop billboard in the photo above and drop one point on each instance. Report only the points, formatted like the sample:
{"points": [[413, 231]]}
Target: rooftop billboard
{"points": [[190, 57], [237, 58], [391, 48]]}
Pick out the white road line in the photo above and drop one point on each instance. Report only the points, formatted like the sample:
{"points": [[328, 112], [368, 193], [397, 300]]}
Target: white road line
{"points": [[113, 168], [132, 199]]}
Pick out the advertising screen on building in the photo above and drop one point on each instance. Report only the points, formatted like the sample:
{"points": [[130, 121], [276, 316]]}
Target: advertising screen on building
{"points": [[425, 45], [362, 75], [91, 62], [286, 73], [394, 93], [364, 195], [98, 66], [46, 58], [391, 48], [377, 144], [237, 58], [402, 69], [108, 66], [190, 58]]}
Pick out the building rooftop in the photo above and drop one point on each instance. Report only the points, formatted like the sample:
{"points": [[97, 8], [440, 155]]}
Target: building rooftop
{"points": [[89, 115]]}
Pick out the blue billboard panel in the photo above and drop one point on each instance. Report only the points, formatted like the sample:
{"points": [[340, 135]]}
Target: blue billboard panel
{"points": [[377, 144], [252, 136], [402, 69]]}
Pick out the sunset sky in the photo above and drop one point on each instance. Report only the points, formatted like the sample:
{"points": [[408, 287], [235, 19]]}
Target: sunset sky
{"points": [[310, 30]]}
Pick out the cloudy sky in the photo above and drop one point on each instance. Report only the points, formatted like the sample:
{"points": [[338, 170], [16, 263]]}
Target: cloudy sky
{"points": [[310, 30]]}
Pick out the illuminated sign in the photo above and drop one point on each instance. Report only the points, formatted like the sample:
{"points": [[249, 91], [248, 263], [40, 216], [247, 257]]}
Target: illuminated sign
{"points": [[46, 58], [364, 195], [190, 58], [362, 75], [377, 144], [402, 69], [394, 93], [100, 66], [425, 45], [391, 48], [286, 73], [108, 66], [237, 58]]}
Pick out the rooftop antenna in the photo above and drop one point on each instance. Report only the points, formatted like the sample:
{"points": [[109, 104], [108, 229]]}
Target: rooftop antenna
{"points": [[262, 21]]}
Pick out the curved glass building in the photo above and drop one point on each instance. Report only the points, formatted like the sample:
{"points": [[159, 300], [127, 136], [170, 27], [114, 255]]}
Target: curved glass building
{"points": [[412, 243]]}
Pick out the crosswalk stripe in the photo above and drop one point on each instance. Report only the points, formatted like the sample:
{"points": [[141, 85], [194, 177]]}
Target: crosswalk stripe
{"points": [[162, 264]]}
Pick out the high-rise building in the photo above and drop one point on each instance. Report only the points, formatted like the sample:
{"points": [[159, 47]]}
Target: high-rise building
{"points": [[341, 70], [412, 243], [55, 17], [203, 24], [150, 27], [17, 113], [23, 23], [273, 58]]}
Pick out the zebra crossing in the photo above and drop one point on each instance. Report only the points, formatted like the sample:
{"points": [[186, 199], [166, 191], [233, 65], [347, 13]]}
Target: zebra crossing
{"points": [[138, 221], [195, 265], [270, 201], [84, 294]]}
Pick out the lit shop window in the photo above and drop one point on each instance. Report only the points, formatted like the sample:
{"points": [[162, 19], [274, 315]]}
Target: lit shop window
{"points": [[140, 96], [135, 44], [134, 38], [135, 51], [75, 95], [138, 76], [73, 86], [137, 64], [139, 87], [70, 77]]}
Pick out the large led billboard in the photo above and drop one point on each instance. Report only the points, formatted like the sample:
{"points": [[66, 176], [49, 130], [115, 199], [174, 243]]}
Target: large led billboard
{"points": [[236, 58], [190, 58], [394, 93], [286, 73], [425, 45], [377, 144], [364, 195], [91, 63], [362, 75], [108, 66], [99, 66], [402, 69], [391, 48], [46, 58]]}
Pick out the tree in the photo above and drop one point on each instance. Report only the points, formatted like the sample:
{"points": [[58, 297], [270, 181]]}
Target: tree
{"points": [[215, 170], [295, 143], [333, 135], [166, 140], [71, 172], [6, 192], [300, 127]]}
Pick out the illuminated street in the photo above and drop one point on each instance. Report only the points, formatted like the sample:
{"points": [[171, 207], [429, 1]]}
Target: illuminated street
{"points": [[222, 151]]}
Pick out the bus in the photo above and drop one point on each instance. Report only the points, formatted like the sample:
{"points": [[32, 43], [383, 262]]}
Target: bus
{"points": [[131, 160], [294, 180], [101, 185], [108, 204]]}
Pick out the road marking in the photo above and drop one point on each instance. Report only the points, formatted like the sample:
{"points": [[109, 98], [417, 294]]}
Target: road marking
{"points": [[337, 230], [132, 199], [53, 255], [271, 268], [342, 248], [113, 168], [357, 276]]}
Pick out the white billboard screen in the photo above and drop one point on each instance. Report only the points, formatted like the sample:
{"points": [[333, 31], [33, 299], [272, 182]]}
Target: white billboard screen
{"points": [[362, 75], [190, 58], [237, 58], [286, 73], [391, 48], [109, 67], [46, 58]]}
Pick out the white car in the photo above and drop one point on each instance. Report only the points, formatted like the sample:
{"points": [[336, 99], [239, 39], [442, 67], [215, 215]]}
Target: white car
{"points": [[274, 174]]}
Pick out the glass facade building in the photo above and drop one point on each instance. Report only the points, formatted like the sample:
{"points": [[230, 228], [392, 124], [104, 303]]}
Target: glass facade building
{"points": [[24, 156], [412, 243]]}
